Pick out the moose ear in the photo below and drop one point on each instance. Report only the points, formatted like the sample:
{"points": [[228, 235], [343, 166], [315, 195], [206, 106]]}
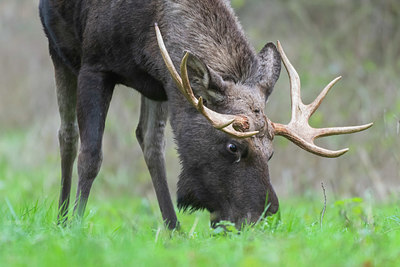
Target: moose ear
{"points": [[205, 82], [269, 67]]}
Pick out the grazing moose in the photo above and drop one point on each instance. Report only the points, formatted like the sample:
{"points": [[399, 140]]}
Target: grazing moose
{"points": [[216, 107]]}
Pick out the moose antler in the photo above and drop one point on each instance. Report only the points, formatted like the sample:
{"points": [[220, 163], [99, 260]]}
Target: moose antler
{"points": [[223, 122], [298, 130]]}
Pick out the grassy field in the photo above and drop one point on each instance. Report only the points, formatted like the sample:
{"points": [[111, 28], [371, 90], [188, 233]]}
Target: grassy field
{"points": [[124, 230], [128, 232]]}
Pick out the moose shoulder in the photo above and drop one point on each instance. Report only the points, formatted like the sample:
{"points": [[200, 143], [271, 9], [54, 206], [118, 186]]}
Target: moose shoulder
{"points": [[215, 105]]}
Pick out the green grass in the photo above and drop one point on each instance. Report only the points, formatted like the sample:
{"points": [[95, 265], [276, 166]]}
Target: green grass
{"points": [[124, 231]]}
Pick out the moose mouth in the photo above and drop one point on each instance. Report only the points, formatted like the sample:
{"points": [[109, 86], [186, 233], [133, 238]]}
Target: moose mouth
{"points": [[217, 220], [251, 218], [241, 218]]}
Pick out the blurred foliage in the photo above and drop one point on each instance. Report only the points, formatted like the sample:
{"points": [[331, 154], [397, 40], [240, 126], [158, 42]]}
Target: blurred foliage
{"points": [[323, 39]]}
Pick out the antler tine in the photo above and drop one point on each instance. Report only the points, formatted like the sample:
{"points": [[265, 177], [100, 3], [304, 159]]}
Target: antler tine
{"points": [[298, 130], [317, 102], [223, 122], [341, 130], [294, 80]]}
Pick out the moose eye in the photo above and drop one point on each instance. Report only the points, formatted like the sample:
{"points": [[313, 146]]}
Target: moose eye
{"points": [[232, 148]]}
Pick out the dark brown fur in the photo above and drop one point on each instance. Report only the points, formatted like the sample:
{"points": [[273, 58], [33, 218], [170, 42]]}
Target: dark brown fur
{"points": [[96, 44]]}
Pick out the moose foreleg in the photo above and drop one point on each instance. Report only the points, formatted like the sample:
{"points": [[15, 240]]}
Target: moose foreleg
{"points": [[150, 134], [94, 95]]}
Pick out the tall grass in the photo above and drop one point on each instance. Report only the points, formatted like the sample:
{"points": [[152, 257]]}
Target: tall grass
{"points": [[124, 231]]}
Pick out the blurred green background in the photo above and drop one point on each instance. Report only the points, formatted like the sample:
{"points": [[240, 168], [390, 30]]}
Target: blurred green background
{"points": [[359, 40]]}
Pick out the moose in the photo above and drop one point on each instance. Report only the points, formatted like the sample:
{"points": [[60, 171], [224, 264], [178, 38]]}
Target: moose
{"points": [[215, 104]]}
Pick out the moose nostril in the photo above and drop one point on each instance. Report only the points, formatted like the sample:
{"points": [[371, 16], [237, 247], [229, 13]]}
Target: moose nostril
{"points": [[273, 203], [273, 209]]}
